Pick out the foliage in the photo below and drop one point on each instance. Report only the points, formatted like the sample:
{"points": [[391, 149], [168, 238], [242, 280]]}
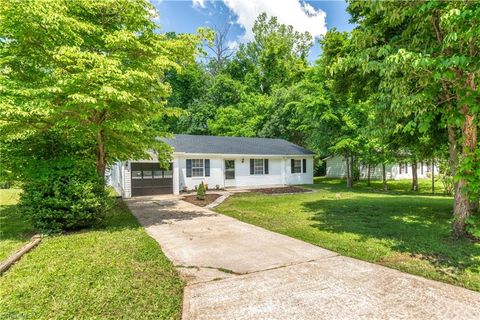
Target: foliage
{"points": [[276, 56], [425, 57], [399, 229], [91, 69], [67, 195], [251, 94], [243, 119], [118, 271], [201, 192], [473, 226], [446, 177]]}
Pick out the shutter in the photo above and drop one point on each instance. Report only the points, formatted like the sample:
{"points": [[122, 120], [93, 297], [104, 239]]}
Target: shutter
{"points": [[266, 166], [189, 167], [251, 166], [304, 165], [207, 167], [292, 164]]}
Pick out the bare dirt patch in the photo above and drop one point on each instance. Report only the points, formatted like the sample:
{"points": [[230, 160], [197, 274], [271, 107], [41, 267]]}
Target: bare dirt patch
{"points": [[209, 198], [281, 190]]}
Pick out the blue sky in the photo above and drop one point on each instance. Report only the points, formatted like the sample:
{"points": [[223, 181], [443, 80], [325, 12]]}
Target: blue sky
{"points": [[185, 16]]}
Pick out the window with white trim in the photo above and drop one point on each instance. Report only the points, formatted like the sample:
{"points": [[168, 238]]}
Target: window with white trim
{"points": [[297, 166], [258, 166], [197, 167]]}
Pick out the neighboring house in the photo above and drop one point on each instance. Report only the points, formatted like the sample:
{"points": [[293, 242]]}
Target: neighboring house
{"points": [[336, 167], [220, 162]]}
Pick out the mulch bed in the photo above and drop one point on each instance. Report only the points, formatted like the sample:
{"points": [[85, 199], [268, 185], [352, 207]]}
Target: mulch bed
{"points": [[209, 198], [280, 190]]}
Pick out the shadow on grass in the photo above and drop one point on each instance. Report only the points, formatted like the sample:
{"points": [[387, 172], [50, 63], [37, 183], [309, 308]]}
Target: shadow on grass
{"points": [[416, 226], [13, 225]]}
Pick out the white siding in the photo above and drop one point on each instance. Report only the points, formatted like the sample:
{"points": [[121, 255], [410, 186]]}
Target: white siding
{"points": [[336, 168], [243, 178], [120, 178], [299, 178], [377, 172], [215, 178], [176, 176], [116, 180], [278, 172], [127, 180]]}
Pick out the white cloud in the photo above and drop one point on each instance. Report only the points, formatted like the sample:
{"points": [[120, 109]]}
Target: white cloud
{"points": [[198, 3], [232, 45], [301, 15]]}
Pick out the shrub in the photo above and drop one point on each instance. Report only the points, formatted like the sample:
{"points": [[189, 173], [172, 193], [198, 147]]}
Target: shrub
{"points": [[473, 226], [65, 196], [201, 192]]}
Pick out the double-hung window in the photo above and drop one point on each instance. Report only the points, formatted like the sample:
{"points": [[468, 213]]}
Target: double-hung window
{"points": [[297, 166], [259, 167], [197, 167]]}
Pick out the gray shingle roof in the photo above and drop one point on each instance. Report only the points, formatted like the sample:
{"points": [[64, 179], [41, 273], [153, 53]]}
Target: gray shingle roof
{"points": [[233, 145]]}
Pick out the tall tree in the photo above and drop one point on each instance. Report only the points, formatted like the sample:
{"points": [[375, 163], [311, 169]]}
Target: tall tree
{"points": [[276, 56], [267, 69], [432, 45], [93, 70]]}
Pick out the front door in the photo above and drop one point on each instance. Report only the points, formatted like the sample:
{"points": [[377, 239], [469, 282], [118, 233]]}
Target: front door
{"points": [[229, 173]]}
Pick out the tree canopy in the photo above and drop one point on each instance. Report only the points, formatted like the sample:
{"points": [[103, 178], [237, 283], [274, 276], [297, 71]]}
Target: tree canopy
{"points": [[93, 70]]}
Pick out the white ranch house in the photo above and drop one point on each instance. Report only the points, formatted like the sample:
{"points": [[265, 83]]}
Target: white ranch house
{"points": [[336, 167], [220, 162]]}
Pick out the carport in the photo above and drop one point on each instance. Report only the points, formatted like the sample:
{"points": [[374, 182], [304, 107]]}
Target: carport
{"points": [[148, 178]]}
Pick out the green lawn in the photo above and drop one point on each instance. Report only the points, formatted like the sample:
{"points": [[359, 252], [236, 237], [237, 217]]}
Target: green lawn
{"points": [[14, 232], [116, 272], [399, 229]]}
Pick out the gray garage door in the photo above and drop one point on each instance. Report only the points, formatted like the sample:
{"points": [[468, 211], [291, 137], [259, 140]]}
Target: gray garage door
{"points": [[149, 179]]}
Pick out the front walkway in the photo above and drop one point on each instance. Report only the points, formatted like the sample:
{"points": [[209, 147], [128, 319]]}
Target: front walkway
{"points": [[239, 271]]}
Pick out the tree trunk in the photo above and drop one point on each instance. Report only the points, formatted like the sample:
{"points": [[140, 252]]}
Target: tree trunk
{"points": [[462, 202], [453, 160], [368, 175], [384, 177], [349, 172], [414, 176], [433, 175], [355, 169], [101, 157]]}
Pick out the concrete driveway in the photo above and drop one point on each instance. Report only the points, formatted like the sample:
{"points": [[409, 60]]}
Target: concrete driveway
{"points": [[236, 270]]}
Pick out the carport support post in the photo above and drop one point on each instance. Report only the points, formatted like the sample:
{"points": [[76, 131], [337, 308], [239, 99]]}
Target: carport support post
{"points": [[176, 176]]}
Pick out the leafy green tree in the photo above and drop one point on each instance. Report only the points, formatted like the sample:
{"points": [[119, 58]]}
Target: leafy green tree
{"points": [[244, 119], [258, 96], [200, 96], [276, 56], [92, 70], [427, 57], [341, 116]]}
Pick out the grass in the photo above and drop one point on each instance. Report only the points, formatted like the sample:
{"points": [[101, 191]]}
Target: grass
{"points": [[14, 231], [399, 229], [110, 273]]}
